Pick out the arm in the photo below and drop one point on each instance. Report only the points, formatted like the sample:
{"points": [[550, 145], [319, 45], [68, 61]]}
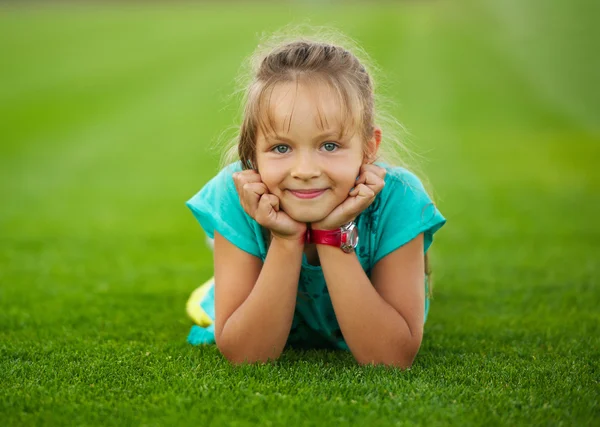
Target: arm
{"points": [[393, 303], [254, 303]]}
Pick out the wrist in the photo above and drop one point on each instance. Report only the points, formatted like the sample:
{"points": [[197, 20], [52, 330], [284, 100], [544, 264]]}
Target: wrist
{"points": [[324, 250], [292, 249], [344, 238], [324, 227], [329, 226], [294, 240]]}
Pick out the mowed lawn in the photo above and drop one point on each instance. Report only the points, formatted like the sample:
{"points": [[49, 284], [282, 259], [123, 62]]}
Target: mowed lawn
{"points": [[108, 121]]}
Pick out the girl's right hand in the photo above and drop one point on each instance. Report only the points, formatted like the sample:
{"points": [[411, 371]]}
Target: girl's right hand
{"points": [[264, 206]]}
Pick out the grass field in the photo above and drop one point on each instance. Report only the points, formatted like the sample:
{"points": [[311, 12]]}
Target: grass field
{"points": [[107, 118]]}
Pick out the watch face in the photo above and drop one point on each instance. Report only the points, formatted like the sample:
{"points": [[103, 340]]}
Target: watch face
{"points": [[353, 237], [349, 238]]}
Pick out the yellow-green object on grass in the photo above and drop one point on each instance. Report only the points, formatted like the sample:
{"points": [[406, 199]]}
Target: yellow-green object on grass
{"points": [[193, 308]]}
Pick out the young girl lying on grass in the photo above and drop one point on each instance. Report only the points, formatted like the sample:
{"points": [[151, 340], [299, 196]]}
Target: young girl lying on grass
{"points": [[315, 244]]}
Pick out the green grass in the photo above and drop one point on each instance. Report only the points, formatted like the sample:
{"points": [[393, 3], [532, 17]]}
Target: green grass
{"points": [[107, 119]]}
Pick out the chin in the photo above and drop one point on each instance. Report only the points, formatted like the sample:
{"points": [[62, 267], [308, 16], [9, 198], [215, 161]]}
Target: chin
{"points": [[307, 215]]}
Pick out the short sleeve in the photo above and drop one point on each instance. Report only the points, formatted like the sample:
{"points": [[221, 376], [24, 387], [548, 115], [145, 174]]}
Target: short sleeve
{"points": [[405, 210], [217, 207]]}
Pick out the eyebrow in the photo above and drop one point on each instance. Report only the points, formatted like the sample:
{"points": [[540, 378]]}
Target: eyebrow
{"points": [[321, 136]]}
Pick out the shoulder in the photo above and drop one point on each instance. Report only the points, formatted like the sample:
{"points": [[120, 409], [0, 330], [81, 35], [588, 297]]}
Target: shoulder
{"points": [[399, 176], [222, 182], [217, 207], [402, 186], [401, 211]]}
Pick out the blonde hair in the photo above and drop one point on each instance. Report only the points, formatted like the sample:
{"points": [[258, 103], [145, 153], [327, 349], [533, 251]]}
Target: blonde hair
{"points": [[324, 57]]}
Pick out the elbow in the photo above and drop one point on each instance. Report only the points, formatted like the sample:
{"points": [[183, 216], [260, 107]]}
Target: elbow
{"points": [[395, 356], [238, 356], [403, 360]]}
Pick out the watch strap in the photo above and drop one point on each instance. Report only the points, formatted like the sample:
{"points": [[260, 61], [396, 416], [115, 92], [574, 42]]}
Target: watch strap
{"points": [[325, 237]]}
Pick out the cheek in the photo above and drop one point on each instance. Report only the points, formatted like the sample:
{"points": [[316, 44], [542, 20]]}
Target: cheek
{"points": [[270, 179], [346, 177]]}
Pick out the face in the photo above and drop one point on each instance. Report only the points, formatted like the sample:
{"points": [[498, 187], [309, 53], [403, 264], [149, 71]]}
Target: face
{"points": [[303, 160]]}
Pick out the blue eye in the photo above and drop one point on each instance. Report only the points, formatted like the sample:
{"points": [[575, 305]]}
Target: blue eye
{"points": [[281, 149], [330, 146]]}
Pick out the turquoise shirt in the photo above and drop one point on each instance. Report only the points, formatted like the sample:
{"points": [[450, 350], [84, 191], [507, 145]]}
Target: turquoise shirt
{"points": [[400, 212]]}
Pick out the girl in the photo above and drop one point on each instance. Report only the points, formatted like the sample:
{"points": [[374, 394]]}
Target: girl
{"points": [[315, 244]]}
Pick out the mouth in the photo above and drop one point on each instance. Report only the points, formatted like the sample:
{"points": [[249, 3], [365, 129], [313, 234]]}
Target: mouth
{"points": [[307, 194]]}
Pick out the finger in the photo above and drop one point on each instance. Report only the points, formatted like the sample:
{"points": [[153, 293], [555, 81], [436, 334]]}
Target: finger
{"points": [[273, 201], [268, 206], [360, 193], [250, 196], [363, 192], [250, 174], [243, 177], [255, 188], [369, 179], [360, 179], [370, 169], [374, 181], [361, 198]]}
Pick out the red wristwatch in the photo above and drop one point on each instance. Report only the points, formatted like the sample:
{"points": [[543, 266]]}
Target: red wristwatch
{"points": [[345, 238]]}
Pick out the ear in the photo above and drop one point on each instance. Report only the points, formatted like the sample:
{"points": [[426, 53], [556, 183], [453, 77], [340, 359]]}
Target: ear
{"points": [[373, 146]]}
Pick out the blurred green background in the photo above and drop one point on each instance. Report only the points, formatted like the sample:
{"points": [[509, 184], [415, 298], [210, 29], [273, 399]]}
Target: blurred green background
{"points": [[109, 118]]}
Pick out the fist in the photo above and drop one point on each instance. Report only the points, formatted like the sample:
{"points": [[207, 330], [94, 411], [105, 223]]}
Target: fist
{"points": [[263, 206], [368, 185]]}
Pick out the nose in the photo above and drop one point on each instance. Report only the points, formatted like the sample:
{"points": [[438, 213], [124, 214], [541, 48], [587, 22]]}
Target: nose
{"points": [[305, 167]]}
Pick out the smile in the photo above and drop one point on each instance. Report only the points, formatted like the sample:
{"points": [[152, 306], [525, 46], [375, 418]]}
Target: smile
{"points": [[307, 194]]}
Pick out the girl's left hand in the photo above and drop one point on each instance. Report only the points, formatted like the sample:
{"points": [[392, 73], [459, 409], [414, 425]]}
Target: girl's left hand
{"points": [[368, 185]]}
